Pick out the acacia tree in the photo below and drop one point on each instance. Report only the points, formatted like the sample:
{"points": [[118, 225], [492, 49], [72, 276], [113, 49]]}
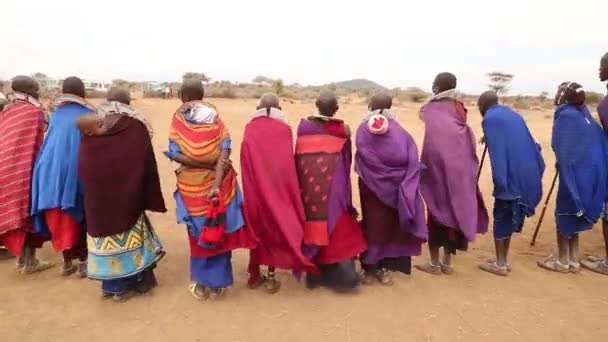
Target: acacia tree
{"points": [[278, 86], [500, 82], [196, 75]]}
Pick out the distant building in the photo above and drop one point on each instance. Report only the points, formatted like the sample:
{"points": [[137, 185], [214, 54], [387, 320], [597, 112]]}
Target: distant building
{"points": [[97, 86]]}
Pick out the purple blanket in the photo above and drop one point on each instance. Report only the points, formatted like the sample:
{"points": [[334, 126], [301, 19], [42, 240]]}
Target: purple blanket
{"points": [[448, 180], [388, 165]]}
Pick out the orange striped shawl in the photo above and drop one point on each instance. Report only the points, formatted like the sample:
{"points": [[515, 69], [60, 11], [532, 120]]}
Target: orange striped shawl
{"points": [[202, 143]]}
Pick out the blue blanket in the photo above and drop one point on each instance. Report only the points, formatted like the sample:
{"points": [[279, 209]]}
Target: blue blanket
{"points": [[581, 151], [517, 164], [55, 182]]}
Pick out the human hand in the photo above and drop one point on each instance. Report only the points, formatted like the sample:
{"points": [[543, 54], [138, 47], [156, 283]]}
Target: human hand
{"points": [[214, 194]]}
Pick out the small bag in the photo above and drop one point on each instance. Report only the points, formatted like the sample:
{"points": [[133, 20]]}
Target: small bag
{"points": [[215, 226]]}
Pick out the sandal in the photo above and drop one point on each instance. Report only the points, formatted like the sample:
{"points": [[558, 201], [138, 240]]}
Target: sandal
{"points": [[367, 278], [551, 263], [384, 277], [575, 267], [493, 261], [82, 269], [598, 266], [199, 292], [68, 271], [217, 293], [37, 266], [447, 269], [494, 269], [272, 284], [429, 268]]}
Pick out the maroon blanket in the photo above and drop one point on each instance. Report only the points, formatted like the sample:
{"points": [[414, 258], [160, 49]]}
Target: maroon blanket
{"points": [[120, 178], [273, 206]]}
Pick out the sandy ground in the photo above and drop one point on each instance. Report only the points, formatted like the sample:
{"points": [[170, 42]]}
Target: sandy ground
{"points": [[529, 305]]}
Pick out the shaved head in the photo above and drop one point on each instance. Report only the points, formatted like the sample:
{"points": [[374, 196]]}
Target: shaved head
{"points": [[26, 85], [380, 101], [487, 100], [604, 68], [443, 82], [192, 90], [327, 103], [119, 95], [269, 101], [74, 86]]}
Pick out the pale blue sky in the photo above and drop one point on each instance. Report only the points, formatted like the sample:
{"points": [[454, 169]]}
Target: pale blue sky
{"points": [[396, 43]]}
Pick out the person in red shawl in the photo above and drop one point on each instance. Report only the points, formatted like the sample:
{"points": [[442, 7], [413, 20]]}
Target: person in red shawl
{"points": [[332, 236], [22, 125], [273, 206]]}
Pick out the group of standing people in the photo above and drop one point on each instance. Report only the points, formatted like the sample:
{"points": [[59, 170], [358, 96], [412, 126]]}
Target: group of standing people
{"points": [[88, 184]]}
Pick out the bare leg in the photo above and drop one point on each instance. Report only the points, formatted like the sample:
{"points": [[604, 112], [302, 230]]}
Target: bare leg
{"points": [[434, 251], [501, 252], [575, 265], [605, 231], [447, 257], [273, 284], [563, 249], [446, 264]]}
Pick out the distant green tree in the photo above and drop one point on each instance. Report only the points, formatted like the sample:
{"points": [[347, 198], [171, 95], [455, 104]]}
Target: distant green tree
{"points": [[500, 82], [196, 75], [278, 86]]}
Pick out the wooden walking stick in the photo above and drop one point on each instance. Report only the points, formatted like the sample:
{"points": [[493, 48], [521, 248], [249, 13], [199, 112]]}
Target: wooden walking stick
{"points": [[483, 158], [542, 213]]}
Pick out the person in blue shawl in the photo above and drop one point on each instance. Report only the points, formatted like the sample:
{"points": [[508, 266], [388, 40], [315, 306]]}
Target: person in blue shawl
{"points": [[517, 172], [581, 152], [57, 194]]}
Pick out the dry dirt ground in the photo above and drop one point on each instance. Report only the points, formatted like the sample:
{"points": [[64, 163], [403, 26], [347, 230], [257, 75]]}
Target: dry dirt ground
{"points": [[529, 305]]}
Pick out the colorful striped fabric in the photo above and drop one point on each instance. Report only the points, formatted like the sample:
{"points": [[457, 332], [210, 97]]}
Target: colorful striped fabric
{"points": [[203, 143], [21, 134]]}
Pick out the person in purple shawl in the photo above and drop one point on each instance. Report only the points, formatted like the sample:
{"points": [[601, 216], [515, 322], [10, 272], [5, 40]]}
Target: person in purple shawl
{"points": [[517, 173], [582, 162], [392, 207], [448, 179], [594, 263]]}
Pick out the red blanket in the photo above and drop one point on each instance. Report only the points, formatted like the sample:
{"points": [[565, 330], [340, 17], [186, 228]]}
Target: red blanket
{"points": [[21, 134], [273, 206]]}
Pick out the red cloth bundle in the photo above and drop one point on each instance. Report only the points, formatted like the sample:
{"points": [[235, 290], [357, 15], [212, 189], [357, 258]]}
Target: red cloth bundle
{"points": [[215, 226]]}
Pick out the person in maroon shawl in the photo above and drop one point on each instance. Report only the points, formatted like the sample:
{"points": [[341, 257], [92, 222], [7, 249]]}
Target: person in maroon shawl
{"points": [[332, 235], [22, 125], [448, 180], [392, 207], [273, 206], [119, 174]]}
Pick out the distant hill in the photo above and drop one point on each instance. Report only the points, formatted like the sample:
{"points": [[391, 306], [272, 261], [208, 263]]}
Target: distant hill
{"points": [[360, 84]]}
